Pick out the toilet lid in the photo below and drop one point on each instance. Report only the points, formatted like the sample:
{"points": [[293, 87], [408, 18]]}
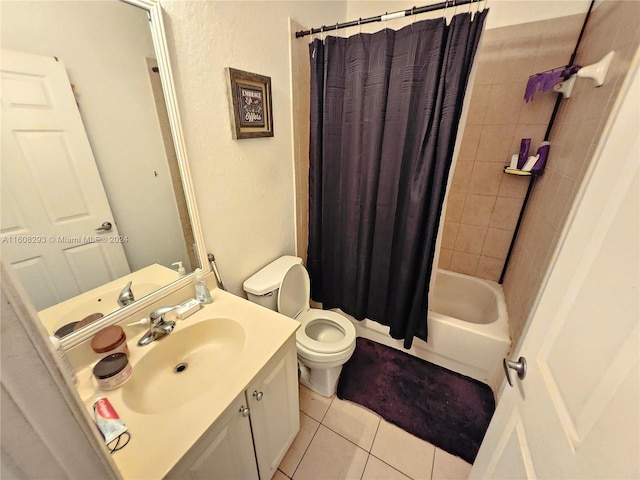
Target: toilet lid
{"points": [[293, 295]]}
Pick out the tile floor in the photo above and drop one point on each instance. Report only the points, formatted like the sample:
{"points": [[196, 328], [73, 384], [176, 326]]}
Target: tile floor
{"points": [[342, 440]]}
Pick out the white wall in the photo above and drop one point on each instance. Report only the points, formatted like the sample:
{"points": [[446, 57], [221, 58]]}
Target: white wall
{"points": [[513, 12], [244, 188], [503, 12], [103, 45]]}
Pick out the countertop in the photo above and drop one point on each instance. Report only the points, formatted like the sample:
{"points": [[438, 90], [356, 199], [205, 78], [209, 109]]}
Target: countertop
{"points": [[159, 441]]}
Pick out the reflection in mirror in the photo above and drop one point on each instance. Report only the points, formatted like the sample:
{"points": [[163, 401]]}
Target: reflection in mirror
{"points": [[92, 197]]}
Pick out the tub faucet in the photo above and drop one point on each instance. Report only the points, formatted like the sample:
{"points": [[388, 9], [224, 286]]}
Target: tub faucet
{"points": [[159, 327], [126, 296]]}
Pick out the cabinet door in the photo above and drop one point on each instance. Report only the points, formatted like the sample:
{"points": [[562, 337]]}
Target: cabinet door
{"points": [[224, 452], [275, 416]]}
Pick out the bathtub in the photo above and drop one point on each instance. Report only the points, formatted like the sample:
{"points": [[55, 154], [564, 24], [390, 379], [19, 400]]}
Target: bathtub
{"points": [[468, 329]]}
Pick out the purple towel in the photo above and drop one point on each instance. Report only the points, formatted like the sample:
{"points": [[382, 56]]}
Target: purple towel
{"points": [[545, 81]]}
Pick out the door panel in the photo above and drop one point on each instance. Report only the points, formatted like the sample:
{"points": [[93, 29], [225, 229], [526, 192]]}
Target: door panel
{"points": [[52, 195], [576, 414]]}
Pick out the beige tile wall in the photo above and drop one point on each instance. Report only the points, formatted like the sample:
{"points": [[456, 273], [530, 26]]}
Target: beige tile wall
{"points": [[579, 125], [300, 90], [484, 203]]}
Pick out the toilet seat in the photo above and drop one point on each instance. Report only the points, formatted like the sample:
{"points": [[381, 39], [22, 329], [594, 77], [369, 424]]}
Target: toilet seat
{"points": [[293, 301], [312, 318]]}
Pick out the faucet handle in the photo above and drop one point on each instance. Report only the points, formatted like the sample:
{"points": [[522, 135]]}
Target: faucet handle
{"points": [[158, 313]]}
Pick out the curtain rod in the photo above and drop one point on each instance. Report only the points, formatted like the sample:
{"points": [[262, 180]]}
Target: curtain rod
{"points": [[388, 16]]}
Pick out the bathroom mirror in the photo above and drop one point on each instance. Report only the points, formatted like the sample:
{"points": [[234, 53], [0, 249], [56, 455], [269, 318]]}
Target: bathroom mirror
{"points": [[93, 175]]}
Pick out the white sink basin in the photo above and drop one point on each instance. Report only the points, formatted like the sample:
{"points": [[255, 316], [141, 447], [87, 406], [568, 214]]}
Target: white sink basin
{"points": [[182, 365]]}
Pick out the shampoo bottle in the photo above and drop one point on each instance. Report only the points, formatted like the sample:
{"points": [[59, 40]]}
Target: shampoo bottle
{"points": [[203, 295]]}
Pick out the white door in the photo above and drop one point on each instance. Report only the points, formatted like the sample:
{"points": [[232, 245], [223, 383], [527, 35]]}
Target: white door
{"points": [[576, 412], [53, 199]]}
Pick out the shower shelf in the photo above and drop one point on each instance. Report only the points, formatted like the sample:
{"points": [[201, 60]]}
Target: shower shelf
{"points": [[521, 173]]}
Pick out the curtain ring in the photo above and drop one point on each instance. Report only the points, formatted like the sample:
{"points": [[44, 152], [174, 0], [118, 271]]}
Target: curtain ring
{"points": [[322, 33], [413, 15], [360, 25], [386, 19], [444, 12]]}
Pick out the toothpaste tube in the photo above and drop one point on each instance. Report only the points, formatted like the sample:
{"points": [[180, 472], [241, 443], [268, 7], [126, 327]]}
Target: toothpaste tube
{"points": [[107, 420]]}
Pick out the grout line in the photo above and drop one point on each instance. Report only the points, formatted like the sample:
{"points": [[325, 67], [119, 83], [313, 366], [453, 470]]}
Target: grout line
{"points": [[365, 466], [391, 466], [350, 441], [342, 436], [327, 410], [380, 420], [286, 476], [433, 462], [310, 441]]}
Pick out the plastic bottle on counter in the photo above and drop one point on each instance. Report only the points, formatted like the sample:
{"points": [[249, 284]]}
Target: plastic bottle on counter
{"points": [[203, 295]]}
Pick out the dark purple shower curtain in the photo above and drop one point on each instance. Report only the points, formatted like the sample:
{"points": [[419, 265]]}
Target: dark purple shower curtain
{"points": [[384, 115]]}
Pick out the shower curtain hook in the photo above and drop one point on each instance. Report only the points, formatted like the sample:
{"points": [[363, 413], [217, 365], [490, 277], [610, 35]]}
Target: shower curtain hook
{"points": [[455, 8], [413, 16], [322, 33], [444, 12], [360, 25], [386, 19], [337, 29]]}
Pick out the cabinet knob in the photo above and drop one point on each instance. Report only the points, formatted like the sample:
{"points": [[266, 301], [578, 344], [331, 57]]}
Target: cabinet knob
{"points": [[258, 395], [244, 411]]}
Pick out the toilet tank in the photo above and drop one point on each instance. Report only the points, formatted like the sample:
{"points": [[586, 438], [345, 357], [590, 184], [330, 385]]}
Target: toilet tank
{"points": [[262, 287]]}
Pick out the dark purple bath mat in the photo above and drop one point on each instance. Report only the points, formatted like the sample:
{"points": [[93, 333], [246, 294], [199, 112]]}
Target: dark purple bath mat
{"points": [[445, 408]]}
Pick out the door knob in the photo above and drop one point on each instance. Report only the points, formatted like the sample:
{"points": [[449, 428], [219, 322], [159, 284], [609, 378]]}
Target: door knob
{"points": [[520, 367], [106, 226], [257, 395], [244, 411]]}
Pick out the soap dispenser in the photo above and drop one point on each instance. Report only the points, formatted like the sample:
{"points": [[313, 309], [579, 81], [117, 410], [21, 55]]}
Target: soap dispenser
{"points": [[203, 295], [180, 269]]}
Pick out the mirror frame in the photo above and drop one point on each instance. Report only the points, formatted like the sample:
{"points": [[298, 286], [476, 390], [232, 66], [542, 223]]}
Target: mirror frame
{"points": [[158, 35]]}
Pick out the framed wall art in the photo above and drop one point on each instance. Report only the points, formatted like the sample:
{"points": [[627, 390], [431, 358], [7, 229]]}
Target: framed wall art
{"points": [[250, 95]]}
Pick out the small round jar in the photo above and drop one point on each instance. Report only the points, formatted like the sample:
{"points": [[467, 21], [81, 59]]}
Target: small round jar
{"points": [[110, 340], [112, 371], [87, 320]]}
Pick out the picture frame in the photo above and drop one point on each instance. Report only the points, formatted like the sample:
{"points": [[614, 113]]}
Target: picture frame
{"points": [[250, 96]]}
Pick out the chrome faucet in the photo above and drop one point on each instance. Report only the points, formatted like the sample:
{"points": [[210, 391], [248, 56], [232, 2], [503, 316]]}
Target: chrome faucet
{"points": [[159, 327], [126, 296]]}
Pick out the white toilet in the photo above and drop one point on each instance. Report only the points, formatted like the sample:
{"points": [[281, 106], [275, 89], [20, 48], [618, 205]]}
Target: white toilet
{"points": [[325, 339]]}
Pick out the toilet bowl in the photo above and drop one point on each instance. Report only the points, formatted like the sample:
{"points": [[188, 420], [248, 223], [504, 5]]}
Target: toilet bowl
{"points": [[325, 339]]}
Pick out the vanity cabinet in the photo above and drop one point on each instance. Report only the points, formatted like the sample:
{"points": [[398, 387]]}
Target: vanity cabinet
{"points": [[249, 440], [274, 411], [225, 452]]}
